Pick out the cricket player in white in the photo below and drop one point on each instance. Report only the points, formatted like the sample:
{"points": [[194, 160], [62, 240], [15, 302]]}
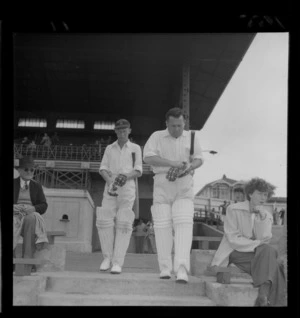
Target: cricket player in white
{"points": [[173, 205], [119, 167]]}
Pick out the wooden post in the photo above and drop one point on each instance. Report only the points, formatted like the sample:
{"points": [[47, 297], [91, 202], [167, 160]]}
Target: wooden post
{"points": [[185, 94]]}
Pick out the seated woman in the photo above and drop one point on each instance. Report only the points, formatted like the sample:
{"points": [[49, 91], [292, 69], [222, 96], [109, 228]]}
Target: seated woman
{"points": [[247, 232]]}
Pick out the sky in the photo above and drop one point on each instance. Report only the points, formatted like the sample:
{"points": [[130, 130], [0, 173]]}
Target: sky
{"points": [[248, 126]]}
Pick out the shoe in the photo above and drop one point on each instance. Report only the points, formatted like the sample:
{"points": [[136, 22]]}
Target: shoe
{"points": [[261, 301], [182, 276], [116, 269], [165, 274], [105, 265]]}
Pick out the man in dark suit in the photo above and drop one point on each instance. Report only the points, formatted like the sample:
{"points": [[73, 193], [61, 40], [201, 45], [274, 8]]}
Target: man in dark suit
{"points": [[29, 197]]}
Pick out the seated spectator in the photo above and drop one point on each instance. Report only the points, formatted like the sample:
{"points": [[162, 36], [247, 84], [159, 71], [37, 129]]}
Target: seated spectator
{"points": [[247, 233], [29, 204]]}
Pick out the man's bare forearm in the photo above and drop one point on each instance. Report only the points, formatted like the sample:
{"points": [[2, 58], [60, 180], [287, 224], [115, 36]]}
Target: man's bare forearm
{"points": [[196, 163]]}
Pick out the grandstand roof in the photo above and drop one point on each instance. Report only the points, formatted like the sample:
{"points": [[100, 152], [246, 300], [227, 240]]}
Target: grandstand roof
{"points": [[124, 75]]}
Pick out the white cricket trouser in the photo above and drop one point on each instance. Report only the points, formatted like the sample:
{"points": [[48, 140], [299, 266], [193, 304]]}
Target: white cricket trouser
{"points": [[116, 211], [173, 207]]}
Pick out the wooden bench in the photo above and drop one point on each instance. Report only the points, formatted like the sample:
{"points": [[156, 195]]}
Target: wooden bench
{"points": [[52, 234], [24, 265], [203, 241]]}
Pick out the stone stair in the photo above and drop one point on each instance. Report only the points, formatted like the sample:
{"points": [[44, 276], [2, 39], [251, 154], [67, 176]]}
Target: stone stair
{"points": [[127, 289], [81, 284]]}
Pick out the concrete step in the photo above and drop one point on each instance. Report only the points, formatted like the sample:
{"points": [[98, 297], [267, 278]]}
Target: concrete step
{"points": [[126, 283], [90, 262], [81, 299], [240, 292], [235, 273]]}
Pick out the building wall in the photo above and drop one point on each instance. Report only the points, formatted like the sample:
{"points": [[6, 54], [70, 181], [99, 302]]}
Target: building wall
{"points": [[215, 203], [79, 207]]}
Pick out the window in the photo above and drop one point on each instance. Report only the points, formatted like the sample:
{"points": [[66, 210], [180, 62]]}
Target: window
{"points": [[66, 123], [224, 192], [215, 192], [220, 191], [32, 122], [104, 125]]}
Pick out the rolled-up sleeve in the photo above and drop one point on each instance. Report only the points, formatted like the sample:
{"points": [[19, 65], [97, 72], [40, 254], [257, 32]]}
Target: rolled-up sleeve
{"points": [[138, 160], [197, 148], [235, 236], [105, 160], [150, 148]]}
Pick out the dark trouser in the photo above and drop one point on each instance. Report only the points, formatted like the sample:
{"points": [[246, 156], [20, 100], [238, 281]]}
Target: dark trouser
{"points": [[139, 244], [262, 265], [28, 233]]}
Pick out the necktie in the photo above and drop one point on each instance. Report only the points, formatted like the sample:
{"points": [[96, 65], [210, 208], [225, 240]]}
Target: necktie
{"points": [[26, 185]]}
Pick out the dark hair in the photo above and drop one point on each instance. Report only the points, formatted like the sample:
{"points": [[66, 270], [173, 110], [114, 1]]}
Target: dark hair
{"points": [[260, 185], [176, 112]]}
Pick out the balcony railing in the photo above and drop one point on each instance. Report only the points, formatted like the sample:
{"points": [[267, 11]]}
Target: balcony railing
{"points": [[63, 153], [60, 152]]}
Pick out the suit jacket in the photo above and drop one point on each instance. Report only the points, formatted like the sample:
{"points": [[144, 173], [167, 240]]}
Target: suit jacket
{"points": [[37, 195]]}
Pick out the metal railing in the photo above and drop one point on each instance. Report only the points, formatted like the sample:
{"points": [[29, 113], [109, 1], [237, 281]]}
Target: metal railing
{"points": [[60, 152]]}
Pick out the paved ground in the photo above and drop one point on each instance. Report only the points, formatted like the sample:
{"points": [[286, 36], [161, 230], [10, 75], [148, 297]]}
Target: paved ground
{"points": [[90, 262]]}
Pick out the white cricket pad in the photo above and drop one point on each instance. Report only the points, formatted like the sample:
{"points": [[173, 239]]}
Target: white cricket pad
{"points": [[106, 236], [161, 214]]}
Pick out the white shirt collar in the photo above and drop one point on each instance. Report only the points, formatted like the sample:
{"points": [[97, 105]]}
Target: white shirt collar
{"points": [[166, 133], [127, 144]]}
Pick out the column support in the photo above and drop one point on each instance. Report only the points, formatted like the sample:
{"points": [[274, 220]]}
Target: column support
{"points": [[185, 94]]}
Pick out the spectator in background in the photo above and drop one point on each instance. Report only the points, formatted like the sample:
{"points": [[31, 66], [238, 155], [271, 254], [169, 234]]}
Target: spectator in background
{"points": [[224, 206], [140, 234], [150, 238], [46, 141], [281, 216], [55, 139], [109, 140], [32, 147], [25, 141], [275, 216]]}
